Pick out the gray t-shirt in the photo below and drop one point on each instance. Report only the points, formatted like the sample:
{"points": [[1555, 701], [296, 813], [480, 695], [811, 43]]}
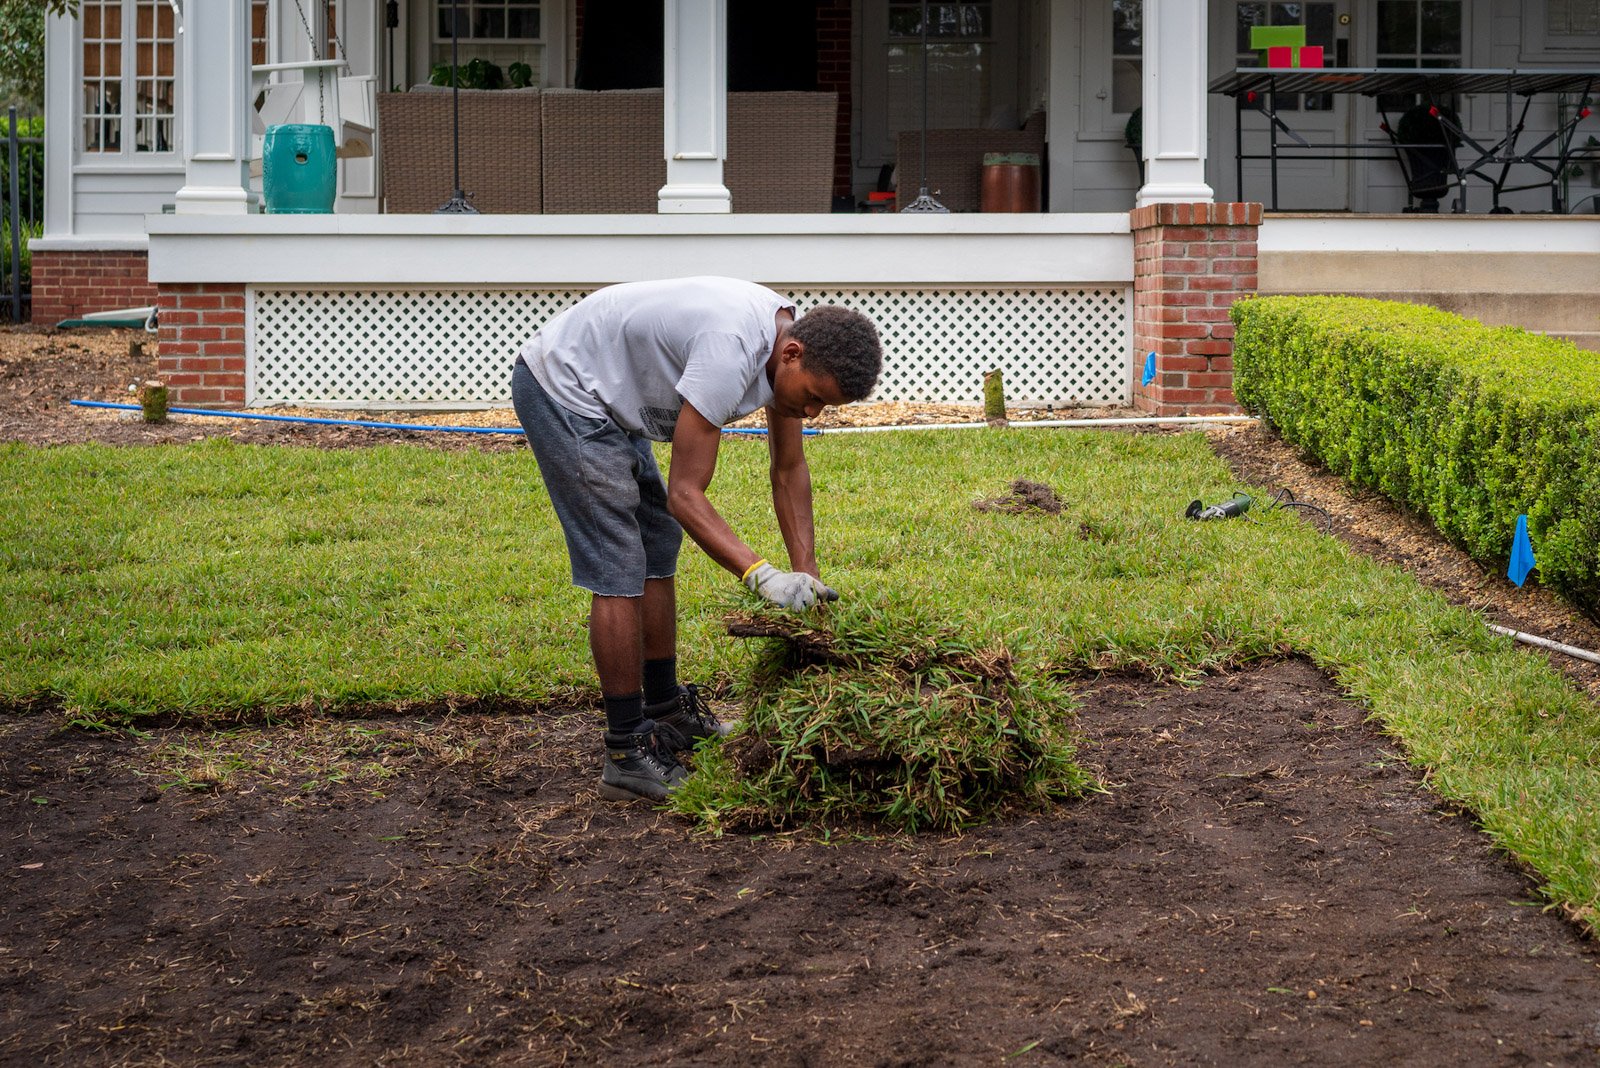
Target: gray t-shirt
{"points": [[635, 352]]}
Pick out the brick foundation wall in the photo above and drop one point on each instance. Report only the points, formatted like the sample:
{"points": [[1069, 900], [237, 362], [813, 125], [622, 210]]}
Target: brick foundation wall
{"points": [[202, 344], [69, 285], [1190, 263]]}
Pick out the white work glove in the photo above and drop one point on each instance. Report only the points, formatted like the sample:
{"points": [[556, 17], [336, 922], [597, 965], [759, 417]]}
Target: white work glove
{"points": [[794, 590]]}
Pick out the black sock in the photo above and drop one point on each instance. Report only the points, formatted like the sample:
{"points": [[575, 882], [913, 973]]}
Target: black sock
{"points": [[624, 714], [660, 680]]}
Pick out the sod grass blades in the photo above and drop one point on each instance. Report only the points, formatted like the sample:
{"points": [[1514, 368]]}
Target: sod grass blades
{"points": [[854, 714]]}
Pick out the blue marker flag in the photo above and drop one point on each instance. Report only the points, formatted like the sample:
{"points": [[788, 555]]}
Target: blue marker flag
{"points": [[1149, 369], [1522, 560]]}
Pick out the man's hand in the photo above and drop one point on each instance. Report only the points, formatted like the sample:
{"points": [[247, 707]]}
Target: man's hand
{"points": [[794, 590]]}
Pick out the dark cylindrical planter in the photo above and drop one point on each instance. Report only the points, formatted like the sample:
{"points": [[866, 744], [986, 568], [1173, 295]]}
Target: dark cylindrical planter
{"points": [[1010, 182]]}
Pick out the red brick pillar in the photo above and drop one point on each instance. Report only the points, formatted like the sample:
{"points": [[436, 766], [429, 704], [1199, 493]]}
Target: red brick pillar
{"points": [[202, 344], [1190, 263]]}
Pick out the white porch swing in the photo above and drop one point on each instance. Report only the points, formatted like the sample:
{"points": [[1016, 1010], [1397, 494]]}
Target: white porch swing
{"points": [[325, 92]]}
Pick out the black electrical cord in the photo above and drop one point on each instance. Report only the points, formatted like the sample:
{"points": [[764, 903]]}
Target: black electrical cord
{"points": [[1238, 507], [1284, 498]]}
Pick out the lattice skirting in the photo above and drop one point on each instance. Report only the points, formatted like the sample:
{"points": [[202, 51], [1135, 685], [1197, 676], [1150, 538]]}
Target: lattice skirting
{"points": [[387, 348]]}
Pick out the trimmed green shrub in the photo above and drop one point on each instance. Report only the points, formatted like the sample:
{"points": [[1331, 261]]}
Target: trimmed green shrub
{"points": [[1465, 424], [858, 714]]}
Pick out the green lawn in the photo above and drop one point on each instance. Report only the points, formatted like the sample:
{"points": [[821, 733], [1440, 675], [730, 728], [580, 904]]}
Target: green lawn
{"points": [[214, 578]]}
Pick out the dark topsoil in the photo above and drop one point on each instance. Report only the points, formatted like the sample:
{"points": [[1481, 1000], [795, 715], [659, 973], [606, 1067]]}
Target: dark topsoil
{"points": [[1264, 882]]}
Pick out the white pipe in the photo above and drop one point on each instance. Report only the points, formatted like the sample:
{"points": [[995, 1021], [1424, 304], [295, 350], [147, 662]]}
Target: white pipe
{"points": [[1141, 420], [1546, 643]]}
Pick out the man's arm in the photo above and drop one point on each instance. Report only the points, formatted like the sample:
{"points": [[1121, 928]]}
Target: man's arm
{"points": [[791, 491], [694, 462]]}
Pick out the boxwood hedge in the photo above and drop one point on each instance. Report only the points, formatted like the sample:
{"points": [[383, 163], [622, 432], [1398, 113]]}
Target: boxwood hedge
{"points": [[1466, 424]]}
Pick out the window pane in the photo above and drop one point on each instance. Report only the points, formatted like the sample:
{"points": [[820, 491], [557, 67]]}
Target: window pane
{"points": [[1127, 85], [521, 22], [1249, 15], [1319, 29], [1573, 17], [1441, 28], [905, 21], [1127, 28], [1397, 26]]}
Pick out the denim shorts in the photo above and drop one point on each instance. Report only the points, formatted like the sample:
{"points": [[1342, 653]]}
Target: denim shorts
{"points": [[607, 492]]}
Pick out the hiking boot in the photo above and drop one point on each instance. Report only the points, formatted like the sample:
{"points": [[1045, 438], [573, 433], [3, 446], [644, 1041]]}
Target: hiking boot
{"points": [[688, 714], [640, 765]]}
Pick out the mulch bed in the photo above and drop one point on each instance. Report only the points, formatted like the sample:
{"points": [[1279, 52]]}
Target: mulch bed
{"points": [[1264, 881]]}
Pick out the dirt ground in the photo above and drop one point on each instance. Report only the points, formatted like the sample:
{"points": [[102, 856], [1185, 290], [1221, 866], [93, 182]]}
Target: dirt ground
{"points": [[1263, 882]]}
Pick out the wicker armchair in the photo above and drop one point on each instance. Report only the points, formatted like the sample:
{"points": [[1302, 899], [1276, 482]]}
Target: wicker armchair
{"points": [[501, 149], [955, 160]]}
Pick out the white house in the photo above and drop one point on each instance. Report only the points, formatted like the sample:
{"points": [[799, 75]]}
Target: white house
{"points": [[152, 126]]}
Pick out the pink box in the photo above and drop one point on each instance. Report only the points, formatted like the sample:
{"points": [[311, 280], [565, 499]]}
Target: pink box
{"points": [[1310, 56], [1280, 56]]}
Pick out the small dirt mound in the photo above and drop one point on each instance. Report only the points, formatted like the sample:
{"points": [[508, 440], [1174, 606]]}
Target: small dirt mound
{"points": [[1025, 496]]}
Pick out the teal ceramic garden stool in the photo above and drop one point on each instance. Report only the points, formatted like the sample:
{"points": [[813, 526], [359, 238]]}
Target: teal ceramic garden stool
{"points": [[297, 169]]}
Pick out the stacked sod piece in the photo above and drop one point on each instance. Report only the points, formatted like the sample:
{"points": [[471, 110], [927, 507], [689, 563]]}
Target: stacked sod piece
{"points": [[858, 716]]}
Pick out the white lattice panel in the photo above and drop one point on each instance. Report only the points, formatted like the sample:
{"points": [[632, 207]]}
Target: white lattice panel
{"points": [[399, 348], [1062, 346]]}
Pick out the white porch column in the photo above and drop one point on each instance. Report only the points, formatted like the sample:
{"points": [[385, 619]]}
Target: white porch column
{"points": [[696, 75], [1174, 115], [214, 43]]}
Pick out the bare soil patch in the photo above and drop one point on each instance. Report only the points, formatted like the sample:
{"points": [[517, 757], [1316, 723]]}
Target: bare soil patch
{"points": [[1025, 496], [1263, 882]]}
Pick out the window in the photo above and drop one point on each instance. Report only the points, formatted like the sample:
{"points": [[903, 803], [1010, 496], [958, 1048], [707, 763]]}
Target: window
{"points": [[1556, 28], [1127, 55], [260, 39], [499, 31], [122, 97], [1417, 33], [960, 62]]}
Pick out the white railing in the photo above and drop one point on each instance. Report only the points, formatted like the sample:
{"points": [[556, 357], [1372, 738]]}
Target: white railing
{"points": [[428, 311]]}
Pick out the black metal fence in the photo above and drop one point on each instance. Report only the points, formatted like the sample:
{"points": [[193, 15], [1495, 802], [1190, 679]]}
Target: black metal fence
{"points": [[22, 194]]}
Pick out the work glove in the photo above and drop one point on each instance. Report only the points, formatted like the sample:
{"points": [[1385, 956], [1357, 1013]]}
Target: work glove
{"points": [[794, 590]]}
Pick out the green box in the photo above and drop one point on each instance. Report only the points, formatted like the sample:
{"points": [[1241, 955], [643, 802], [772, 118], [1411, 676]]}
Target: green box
{"points": [[1265, 37]]}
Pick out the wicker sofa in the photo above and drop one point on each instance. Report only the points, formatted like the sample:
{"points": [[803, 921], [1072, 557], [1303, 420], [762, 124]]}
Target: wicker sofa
{"points": [[598, 152], [955, 160]]}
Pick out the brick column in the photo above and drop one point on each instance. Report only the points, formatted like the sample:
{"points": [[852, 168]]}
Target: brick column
{"points": [[1190, 263], [202, 344]]}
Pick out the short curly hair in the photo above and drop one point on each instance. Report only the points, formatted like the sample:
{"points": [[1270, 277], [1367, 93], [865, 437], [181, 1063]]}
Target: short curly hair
{"points": [[842, 344]]}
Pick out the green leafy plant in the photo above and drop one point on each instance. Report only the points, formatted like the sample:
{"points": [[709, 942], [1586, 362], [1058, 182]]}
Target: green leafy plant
{"points": [[474, 74], [1467, 425], [521, 75]]}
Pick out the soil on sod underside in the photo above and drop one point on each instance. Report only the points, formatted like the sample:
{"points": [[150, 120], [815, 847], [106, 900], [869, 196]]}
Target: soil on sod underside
{"points": [[1264, 882]]}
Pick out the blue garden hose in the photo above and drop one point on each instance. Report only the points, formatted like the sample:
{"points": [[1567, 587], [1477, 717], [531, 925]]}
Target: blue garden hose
{"points": [[369, 424]]}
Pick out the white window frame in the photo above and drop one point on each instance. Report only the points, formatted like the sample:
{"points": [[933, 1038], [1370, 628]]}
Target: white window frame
{"points": [[1540, 44], [423, 26], [125, 158]]}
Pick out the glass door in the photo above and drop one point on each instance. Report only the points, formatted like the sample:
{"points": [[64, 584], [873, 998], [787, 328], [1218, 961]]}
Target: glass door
{"points": [[1304, 184]]}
